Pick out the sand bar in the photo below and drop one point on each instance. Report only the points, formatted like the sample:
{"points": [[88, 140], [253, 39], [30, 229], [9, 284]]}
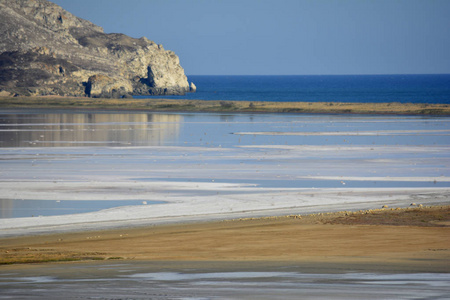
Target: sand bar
{"points": [[57, 102], [415, 238]]}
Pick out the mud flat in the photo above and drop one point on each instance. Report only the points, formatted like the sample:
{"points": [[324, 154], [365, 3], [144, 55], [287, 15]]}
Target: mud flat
{"points": [[373, 254], [413, 238]]}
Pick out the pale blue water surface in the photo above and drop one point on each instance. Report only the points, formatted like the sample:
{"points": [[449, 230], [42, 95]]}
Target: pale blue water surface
{"points": [[252, 149]]}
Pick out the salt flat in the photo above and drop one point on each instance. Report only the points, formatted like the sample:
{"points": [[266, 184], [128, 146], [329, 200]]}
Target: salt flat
{"points": [[201, 166]]}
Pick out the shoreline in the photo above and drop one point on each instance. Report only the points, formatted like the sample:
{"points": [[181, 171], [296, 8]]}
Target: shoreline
{"points": [[199, 212], [212, 106], [414, 239]]}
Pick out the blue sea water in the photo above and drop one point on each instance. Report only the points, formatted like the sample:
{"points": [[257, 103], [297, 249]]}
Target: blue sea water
{"points": [[327, 88]]}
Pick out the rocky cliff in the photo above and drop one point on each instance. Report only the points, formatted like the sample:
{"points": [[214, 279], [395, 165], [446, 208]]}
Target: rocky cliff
{"points": [[45, 50]]}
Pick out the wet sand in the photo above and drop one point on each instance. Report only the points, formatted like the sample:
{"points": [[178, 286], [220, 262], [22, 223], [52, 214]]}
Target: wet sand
{"points": [[164, 280], [414, 239]]}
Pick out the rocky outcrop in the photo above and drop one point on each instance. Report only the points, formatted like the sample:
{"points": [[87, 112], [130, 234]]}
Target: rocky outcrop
{"points": [[45, 50], [192, 87]]}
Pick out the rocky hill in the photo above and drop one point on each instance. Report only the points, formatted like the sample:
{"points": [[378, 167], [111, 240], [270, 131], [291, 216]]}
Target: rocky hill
{"points": [[45, 50]]}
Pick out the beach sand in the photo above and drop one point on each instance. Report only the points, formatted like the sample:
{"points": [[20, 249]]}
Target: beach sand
{"points": [[414, 239]]}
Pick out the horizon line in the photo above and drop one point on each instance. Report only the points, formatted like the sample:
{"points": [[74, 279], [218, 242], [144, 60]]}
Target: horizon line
{"points": [[377, 74]]}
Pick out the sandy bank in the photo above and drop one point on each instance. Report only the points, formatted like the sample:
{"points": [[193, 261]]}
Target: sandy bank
{"points": [[413, 237]]}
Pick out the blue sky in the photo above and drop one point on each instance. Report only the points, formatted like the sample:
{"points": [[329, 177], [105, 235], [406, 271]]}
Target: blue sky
{"points": [[285, 37]]}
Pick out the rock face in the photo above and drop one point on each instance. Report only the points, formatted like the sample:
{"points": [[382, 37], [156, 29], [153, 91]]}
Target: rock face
{"points": [[45, 50]]}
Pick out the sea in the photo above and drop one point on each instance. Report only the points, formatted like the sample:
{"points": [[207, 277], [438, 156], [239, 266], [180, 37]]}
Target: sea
{"points": [[318, 88]]}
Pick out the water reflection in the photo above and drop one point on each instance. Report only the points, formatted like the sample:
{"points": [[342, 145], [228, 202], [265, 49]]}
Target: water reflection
{"points": [[95, 129]]}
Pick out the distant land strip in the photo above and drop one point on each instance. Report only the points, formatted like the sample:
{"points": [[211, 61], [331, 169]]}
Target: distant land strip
{"points": [[170, 105]]}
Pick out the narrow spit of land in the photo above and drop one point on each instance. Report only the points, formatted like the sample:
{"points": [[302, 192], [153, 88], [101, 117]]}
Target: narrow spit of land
{"points": [[166, 105], [416, 238]]}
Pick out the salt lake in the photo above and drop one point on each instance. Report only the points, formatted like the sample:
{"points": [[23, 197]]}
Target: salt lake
{"points": [[126, 168]]}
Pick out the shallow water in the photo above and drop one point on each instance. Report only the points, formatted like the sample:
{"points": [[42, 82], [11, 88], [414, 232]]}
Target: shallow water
{"points": [[15, 208], [136, 281], [20, 129], [127, 158]]}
